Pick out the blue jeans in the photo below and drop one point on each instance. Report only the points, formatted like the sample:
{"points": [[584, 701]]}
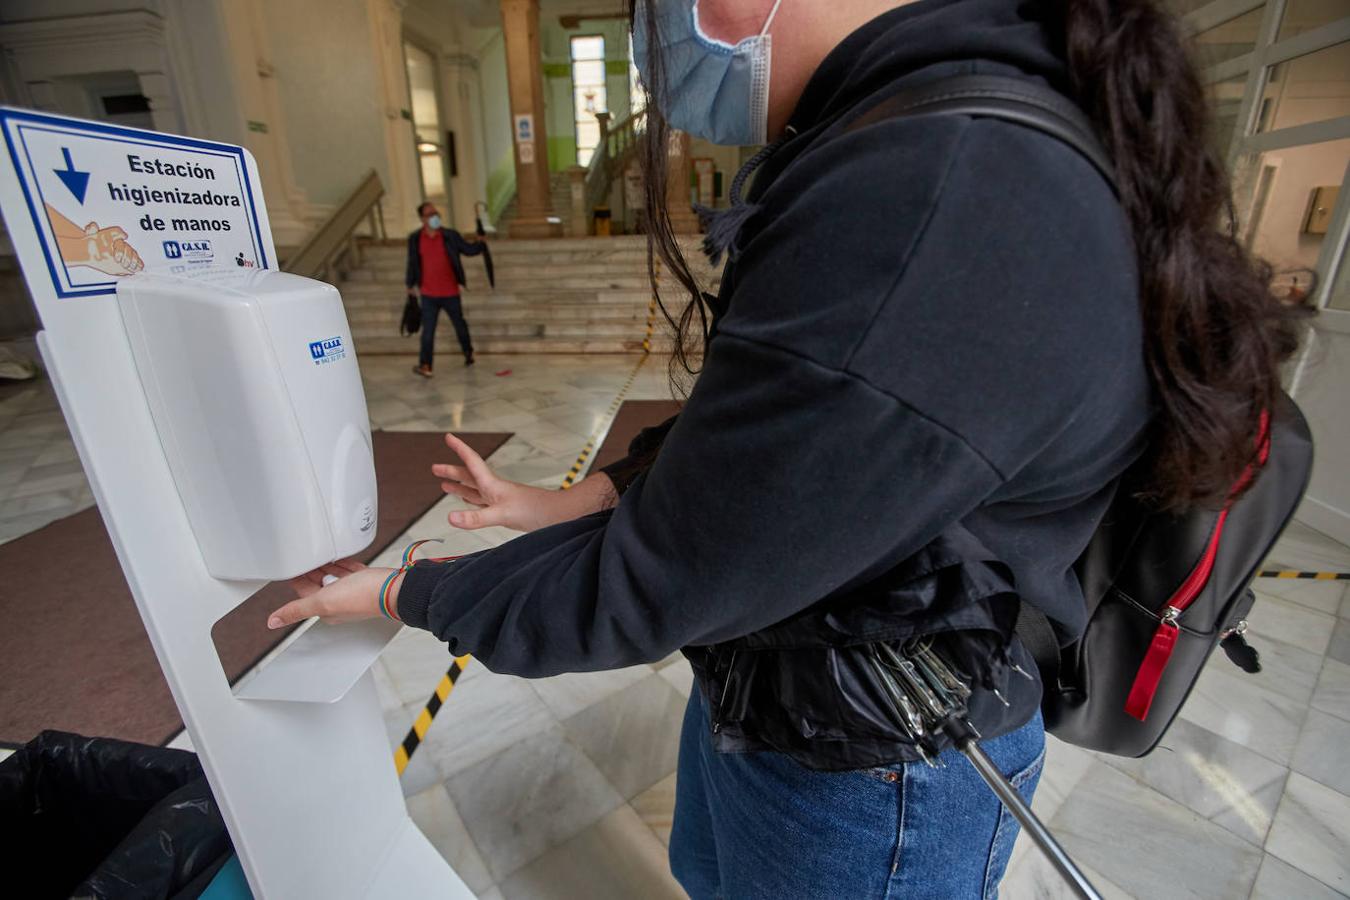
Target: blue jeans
{"points": [[431, 310], [751, 825]]}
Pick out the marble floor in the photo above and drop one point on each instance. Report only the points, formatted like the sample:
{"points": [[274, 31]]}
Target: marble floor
{"points": [[563, 788]]}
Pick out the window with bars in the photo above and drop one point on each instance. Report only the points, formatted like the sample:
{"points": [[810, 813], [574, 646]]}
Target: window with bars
{"points": [[637, 94], [589, 95], [1279, 76]]}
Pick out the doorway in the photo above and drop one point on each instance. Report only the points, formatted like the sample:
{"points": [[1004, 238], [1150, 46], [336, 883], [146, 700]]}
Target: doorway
{"points": [[430, 139]]}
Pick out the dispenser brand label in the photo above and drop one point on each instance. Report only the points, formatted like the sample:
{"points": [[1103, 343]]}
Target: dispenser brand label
{"points": [[326, 351], [188, 250], [107, 202]]}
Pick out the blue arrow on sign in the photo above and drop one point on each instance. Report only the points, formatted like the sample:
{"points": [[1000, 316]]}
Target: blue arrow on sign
{"points": [[78, 182]]}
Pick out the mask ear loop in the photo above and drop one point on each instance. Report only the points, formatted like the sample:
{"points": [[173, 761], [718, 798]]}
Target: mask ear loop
{"points": [[769, 21]]}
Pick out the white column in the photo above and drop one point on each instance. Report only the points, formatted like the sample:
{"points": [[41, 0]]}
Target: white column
{"points": [[525, 86], [263, 125], [459, 90], [270, 96], [402, 193]]}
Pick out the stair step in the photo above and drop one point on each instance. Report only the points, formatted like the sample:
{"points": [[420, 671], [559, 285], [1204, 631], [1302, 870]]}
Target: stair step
{"points": [[563, 295], [395, 298], [578, 330], [408, 347], [502, 244], [389, 314], [595, 282], [523, 267]]}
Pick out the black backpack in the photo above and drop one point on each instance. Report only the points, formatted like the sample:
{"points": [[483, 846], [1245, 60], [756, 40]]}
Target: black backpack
{"points": [[1162, 590]]}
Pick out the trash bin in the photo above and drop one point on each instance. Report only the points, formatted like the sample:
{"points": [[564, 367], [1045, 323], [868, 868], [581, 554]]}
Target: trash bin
{"points": [[101, 818], [603, 221]]}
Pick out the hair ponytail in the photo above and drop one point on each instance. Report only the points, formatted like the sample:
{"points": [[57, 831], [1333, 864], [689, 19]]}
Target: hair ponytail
{"points": [[1215, 335]]}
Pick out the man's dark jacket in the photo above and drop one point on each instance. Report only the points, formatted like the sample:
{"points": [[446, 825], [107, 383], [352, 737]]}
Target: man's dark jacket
{"points": [[454, 246]]}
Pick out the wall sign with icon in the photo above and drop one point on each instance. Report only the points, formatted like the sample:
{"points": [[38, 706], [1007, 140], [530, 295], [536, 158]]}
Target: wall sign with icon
{"points": [[524, 131]]}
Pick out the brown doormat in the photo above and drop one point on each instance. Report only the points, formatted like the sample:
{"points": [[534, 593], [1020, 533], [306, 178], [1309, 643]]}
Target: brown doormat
{"points": [[74, 654], [633, 416]]}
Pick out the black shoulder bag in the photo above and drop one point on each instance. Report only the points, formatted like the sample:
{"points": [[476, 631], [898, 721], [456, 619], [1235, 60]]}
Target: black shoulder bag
{"points": [[412, 317]]}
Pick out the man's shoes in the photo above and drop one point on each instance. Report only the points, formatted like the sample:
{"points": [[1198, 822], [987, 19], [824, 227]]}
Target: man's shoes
{"points": [[424, 371], [468, 358]]}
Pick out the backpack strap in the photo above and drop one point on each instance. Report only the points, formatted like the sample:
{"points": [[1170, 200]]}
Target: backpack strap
{"points": [[1032, 105], [1017, 100]]}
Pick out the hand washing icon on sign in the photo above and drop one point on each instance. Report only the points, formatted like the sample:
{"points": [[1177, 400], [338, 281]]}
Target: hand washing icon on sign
{"points": [[77, 182], [105, 249]]}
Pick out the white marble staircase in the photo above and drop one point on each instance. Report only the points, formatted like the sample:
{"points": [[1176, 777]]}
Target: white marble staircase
{"points": [[560, 193], [565, 295]]}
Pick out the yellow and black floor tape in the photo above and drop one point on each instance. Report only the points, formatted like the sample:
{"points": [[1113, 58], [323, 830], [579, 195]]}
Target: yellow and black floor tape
{"points": [[651, 314], [1316, 576], [651, 325], [423, 721], [418, 731], [577, 467]]}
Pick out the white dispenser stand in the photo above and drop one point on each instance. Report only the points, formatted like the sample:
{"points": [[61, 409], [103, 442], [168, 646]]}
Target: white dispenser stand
{"points": [[299, 760]]}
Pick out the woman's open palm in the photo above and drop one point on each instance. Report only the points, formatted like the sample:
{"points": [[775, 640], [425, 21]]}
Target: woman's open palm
{"points": [[499, 501]]}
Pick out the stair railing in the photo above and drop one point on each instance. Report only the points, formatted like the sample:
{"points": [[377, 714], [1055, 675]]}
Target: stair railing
{"points": [[617, 145], [333, 243]]}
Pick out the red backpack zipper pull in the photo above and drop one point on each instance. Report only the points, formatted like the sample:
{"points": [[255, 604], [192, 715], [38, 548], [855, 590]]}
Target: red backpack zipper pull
{"points": [[1155, 663], [1150, 673]]}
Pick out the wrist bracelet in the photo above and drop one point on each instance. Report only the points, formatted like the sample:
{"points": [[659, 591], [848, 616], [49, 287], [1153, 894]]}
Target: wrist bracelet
{"points": [[387, 606], [413, 547], [386, 595]]}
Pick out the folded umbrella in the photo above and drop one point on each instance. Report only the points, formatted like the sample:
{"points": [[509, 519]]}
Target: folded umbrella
{"points": [[487, 264], [487, 251], [930, 700]]}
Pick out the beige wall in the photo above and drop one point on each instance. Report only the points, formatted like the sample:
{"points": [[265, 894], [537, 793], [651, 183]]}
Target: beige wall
{"points": [[330, 96], [1300, 170]]}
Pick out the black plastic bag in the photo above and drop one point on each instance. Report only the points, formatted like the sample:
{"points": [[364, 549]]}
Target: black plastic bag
{"points": [[100, 818]]}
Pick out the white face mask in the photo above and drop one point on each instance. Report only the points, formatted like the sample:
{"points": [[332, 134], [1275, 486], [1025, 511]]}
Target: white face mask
{"points": [[434, 223], [713, 90]]}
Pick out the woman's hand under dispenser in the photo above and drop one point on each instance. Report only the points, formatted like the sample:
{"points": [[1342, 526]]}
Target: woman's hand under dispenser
{"points": [[354, 596]]}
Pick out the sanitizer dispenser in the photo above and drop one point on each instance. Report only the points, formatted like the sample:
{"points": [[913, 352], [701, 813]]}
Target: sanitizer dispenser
{"points": [[257, 399]]}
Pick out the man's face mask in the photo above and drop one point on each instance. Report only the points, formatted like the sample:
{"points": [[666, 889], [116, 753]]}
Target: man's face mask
{"points": [[712, 90]]}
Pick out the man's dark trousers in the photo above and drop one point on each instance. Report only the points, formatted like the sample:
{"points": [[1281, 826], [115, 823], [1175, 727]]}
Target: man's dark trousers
{"points": [[431, 308]]}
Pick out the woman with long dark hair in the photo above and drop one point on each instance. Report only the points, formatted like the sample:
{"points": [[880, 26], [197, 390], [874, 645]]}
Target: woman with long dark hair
{"points": [[938, 344]]}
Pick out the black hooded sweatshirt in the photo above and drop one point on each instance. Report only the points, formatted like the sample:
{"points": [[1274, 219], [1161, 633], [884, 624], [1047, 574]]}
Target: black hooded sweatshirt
{"points": [[930, 321]]}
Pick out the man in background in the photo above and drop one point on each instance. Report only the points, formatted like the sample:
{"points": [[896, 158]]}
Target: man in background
{"points": [[436, 274]]}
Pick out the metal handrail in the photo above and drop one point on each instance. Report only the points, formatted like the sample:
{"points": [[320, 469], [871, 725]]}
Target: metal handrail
{"points": [[335, 239]]}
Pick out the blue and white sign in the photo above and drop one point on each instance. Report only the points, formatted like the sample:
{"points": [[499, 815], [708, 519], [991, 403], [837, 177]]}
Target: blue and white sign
{"points": [[524, 128], [107, 201], [192, 250], [329, 350]]}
